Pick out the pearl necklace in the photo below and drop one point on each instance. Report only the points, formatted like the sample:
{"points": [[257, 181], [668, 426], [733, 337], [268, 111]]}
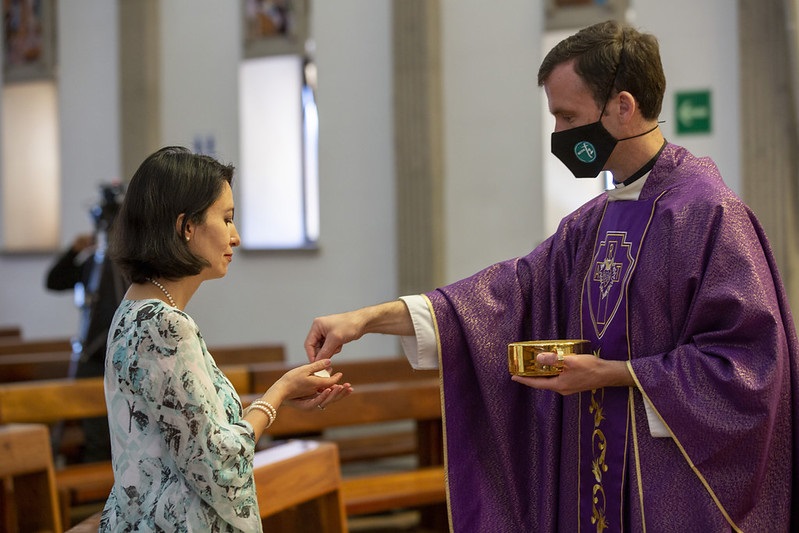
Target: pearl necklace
{"points": [[163, 289]]}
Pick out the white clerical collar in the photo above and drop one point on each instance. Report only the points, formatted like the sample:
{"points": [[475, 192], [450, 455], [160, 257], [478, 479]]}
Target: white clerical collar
{"points": [[630, 189], [627, 192]]}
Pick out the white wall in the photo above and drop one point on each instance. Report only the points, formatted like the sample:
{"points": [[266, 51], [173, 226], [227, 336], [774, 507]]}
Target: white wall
{"points": [[493, 143], [493, 193], [699, 49]]}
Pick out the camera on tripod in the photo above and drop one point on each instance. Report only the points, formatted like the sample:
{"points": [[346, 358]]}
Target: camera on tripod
{"points": [[104, 211]]}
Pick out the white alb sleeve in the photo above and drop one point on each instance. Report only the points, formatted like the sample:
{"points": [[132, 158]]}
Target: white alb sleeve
{"points": [[420, 349], [656, 426]]}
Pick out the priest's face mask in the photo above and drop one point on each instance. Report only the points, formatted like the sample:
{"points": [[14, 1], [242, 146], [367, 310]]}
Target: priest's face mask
{"points": [[585, 149]]}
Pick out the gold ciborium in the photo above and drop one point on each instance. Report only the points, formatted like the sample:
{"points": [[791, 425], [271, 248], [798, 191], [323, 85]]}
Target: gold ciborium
{"points": [[521, 355]]}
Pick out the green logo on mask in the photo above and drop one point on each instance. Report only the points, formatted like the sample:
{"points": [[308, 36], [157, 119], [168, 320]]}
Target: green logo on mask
{"points": [[585, 151]]}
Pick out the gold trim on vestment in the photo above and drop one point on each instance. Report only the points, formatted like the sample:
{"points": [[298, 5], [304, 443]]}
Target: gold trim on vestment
{"points": [[631, 403], [579, 451], [684, 453], [637, 458], [636, 455], [443, 409], [580, 396]]}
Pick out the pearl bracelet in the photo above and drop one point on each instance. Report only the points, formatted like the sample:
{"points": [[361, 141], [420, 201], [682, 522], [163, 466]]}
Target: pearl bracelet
{"points": [[268, 405], [266, 408]]}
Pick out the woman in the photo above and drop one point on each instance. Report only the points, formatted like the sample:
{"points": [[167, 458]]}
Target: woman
{"points": [[182, 446]]}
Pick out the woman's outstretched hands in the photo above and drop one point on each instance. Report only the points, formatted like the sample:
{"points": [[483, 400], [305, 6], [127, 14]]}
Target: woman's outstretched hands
{"points": [[306, 386]]}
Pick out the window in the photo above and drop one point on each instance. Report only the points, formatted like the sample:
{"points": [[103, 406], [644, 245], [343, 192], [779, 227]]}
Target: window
{"points": [[31, 178], [31, 167], [278, 170]]}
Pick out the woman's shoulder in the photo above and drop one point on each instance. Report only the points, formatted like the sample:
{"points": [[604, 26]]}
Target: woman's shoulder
{"points": [[153, 322], [152, 310]]}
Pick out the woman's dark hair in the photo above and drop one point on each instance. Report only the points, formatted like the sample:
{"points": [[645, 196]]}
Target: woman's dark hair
{"points": [[613, 53], [145, 242]]}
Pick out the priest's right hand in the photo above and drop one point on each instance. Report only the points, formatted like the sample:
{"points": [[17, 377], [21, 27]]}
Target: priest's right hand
{"points": [[330, 333]]}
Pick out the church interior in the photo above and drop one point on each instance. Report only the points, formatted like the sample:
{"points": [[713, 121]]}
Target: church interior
{"points": [[404, 146]]}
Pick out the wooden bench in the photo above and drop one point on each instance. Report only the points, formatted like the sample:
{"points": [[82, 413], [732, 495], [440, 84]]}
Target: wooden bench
{"points": [[372, 445], [34, 366], [11, 332], [377, 493], [379, 403], [379, 370], [248, 354], [28, 366], [298, 488], [11, 346], [28, 500]]}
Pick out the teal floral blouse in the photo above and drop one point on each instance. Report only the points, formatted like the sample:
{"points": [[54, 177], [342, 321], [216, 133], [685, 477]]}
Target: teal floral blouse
{"points": [[181, 453]]}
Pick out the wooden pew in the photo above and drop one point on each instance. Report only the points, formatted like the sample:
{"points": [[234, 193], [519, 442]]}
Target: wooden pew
{"points": [[383, 369], [34, 366], [386, 390], [10, 346], [248, 354], [298, 486], [11, 332], [50, 401], [55, 365], [379, 403], [28, 500], [382, 444]]}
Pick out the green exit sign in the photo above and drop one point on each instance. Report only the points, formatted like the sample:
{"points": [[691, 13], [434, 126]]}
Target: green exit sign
{"points": [[694, 112]]}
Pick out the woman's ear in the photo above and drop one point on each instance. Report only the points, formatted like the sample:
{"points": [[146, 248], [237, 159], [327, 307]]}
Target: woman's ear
{"points": [[188, 230]]}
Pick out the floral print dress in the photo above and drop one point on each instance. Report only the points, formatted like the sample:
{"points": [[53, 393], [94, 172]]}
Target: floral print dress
{"points": [[181, 453]]}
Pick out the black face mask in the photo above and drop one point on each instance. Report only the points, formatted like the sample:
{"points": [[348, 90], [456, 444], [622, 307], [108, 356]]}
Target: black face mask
{"points": [[584, 149]]}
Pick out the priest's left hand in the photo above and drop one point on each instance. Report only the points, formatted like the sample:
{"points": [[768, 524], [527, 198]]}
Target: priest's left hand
{"points": [[581, 372]]}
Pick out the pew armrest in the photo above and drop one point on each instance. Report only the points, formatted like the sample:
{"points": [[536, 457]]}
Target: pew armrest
{"points": [[301, 472]]}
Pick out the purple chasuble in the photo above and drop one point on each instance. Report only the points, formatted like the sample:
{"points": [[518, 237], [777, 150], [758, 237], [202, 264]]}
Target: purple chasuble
{"points": [[711, 346], [604, 413]]}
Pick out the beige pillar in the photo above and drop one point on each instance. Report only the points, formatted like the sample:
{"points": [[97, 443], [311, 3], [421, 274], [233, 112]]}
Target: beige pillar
{"points": [[769, 131], [418, 142], [139, 47]]}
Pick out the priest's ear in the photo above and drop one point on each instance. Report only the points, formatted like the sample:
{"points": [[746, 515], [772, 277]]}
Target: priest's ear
{"points": [[627, 106]]}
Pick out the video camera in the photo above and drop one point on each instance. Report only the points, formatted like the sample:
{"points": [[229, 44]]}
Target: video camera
{"points": [[104, 211]]}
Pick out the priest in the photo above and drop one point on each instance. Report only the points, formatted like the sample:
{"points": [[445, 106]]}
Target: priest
{"points": [[684, 416]]}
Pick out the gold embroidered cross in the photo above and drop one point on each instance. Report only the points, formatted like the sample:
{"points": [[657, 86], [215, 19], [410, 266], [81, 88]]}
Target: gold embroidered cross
{"points": [[607, 272]]}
